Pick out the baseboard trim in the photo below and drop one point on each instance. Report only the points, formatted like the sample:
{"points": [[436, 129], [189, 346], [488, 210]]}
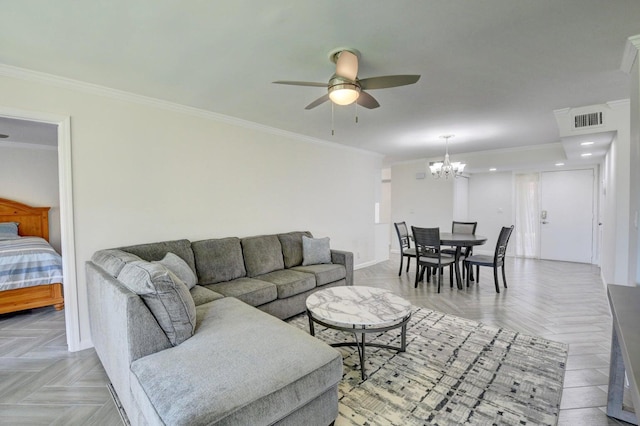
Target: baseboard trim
{"points": [[367, 264], [116, 401]]}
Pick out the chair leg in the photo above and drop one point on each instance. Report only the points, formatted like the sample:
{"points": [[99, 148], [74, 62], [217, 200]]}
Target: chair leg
{"points": [[495, 278], [478, 274], [418, 274], [468, 267], [408, 264], [401, 260], [451, 275], [504, 277], [439, 277]]}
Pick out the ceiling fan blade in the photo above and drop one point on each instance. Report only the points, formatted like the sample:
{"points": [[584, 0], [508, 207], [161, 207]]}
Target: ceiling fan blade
{"points": [[367, 101], [347, 65], [301, 83], [386, 81], [320, 100]]}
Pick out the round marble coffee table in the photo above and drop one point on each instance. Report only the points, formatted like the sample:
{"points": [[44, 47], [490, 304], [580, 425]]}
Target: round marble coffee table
{"points": [[359, 310]]}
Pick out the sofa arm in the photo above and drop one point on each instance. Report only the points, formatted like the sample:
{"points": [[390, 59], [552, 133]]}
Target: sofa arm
{"points": [[344, 258]]}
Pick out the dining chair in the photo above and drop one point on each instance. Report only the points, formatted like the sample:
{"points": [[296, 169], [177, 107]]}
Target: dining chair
{"points": [[429, 255], [405, 245], [462, 228], [496, 261]]}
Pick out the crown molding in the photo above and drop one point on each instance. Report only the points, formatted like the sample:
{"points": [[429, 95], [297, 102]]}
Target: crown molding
{"points": [[95, 89], [630, 53], [620, 103]]}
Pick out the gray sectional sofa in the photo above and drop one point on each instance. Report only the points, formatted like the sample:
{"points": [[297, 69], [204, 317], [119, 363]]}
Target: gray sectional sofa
{"points": [[190, 333]]}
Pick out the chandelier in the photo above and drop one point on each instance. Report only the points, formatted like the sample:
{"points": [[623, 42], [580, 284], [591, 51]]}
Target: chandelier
{"points": [[446, 168]]}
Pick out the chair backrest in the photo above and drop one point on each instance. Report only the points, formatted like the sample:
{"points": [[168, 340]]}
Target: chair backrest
{"points": [[501, 245], [464, 227], [427, 241], [403, 235]]}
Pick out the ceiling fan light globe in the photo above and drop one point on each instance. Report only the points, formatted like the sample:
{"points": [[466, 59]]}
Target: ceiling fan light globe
{"points": [[344, 94]]}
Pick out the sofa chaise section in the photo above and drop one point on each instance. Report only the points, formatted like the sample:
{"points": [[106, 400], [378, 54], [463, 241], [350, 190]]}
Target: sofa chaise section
{"points": [[264, 368]]}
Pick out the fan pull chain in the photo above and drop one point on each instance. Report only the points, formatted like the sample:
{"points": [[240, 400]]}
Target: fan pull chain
{"points": [[356, 112], [332, 126]]}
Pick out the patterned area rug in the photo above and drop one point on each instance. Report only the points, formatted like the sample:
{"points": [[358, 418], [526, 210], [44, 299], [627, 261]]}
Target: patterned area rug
{"points": [[455, 371]]}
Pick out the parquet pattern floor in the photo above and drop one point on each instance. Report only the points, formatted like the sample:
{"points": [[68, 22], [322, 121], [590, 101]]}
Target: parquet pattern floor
{"points": [[43, 384]]}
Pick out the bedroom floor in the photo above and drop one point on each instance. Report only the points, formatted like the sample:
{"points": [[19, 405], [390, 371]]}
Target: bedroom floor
{"points": [[43, 384]]}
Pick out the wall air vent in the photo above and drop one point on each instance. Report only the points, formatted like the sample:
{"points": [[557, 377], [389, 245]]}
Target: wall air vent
{"points": [[588, 120]]}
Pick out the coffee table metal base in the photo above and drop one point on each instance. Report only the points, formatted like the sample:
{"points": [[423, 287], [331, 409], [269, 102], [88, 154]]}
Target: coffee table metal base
{"points": [[361, 343]]}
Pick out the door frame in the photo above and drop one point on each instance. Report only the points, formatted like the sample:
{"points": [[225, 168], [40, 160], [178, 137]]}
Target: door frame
{"points": [[67, 234]]}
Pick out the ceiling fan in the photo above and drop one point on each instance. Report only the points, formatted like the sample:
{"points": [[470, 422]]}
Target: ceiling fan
{"points": [[345, 87]]}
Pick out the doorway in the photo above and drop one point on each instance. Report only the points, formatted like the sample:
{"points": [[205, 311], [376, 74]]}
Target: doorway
{"points": [[67, 238], [555, 215], [566, 215]]}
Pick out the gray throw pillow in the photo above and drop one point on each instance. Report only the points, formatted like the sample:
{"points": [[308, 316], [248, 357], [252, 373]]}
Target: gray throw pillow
{"points": [[113, 260], [166, 296], [315, 251], [175, 264]]}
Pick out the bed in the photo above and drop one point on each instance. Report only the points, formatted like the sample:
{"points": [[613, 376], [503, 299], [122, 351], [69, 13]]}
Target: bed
{"points": [[34, 291]]}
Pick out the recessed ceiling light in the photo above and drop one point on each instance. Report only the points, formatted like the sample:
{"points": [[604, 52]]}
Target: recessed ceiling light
{"points": [[3, 136], [586, 143], [586, 154], [493, 169], [559, 164]]}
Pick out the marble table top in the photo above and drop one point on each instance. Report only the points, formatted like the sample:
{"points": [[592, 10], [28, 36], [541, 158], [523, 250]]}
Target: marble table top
{"points": [[358, 306]]}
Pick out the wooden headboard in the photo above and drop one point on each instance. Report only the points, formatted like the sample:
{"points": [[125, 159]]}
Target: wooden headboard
{"points": [[34, 221]]}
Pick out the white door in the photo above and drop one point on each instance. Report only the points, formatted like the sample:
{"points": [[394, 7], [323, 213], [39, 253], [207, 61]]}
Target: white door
{"points": [[566, 215]]}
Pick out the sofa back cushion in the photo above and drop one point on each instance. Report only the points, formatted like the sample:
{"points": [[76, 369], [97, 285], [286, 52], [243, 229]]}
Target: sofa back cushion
{"points": [[166, 296], [292, 247], [218, 260], [157, 251], [262, 254]]}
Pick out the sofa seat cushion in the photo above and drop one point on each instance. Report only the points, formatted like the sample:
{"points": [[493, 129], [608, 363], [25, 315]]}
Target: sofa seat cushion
{"points": [[262, 254], [233, 372], [325, 273], [289, 282], [202, 295], [249, 290]]}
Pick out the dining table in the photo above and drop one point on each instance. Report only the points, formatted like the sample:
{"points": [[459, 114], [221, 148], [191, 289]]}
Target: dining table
{"points": [[460, 241]]}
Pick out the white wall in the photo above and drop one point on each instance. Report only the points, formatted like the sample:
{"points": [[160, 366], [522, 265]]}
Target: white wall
{"points": [[634, 267], [491, 204], [423, 202], [144, 173], [618, 246], [30, 176], [461, 199]]}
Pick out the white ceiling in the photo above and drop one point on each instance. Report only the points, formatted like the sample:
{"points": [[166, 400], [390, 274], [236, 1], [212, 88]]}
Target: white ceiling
{"points": [[492, 71]]}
